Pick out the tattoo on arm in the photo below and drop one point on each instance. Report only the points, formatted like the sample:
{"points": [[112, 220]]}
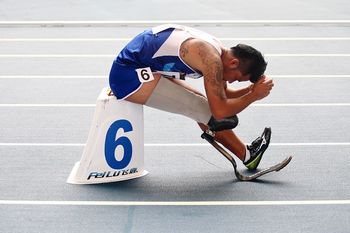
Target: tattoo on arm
{"points": [[214, 71]]}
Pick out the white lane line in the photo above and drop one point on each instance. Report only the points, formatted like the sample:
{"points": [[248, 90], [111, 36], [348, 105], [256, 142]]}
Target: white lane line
{"points": [[303, 105], [172, 144], [58, 76], [49, 105], [175, 203], [313, 144], [43, 144], [129, 38], [284, 38], [143, 23], [308, 75], [252, 105], [306, 55], [58, 55], [106, 77], [82, 39], [114, 55]]}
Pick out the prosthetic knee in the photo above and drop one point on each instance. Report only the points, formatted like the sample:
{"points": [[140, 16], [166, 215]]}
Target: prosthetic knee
{"points": [[223, 124]]}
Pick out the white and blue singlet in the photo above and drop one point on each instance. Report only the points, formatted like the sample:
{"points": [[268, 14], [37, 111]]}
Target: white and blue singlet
{"points": [[154, 50]]}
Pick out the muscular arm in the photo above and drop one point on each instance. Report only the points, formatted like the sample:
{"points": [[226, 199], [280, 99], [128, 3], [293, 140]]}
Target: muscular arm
{"points": [[204, 58]]}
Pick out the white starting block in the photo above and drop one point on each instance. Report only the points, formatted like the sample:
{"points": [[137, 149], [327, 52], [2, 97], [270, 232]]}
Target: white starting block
{"points": [[115, 147]]}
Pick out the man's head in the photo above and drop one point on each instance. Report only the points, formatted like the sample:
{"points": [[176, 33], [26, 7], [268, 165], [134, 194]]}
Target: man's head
{"points": [[250, 61]]}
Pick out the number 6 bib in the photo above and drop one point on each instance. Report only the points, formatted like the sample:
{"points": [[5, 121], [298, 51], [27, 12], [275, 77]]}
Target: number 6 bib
{"points": [[145, 74]]}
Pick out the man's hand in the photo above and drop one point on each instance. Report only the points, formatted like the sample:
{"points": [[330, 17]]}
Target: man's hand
{"points": [[262, 88]]}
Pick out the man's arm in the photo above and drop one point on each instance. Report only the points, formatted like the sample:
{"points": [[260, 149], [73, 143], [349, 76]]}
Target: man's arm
{"points": [[204, 57], [235, 93]]}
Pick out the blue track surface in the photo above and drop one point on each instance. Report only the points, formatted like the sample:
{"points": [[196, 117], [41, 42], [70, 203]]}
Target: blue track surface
{"points": [[190, 188]]}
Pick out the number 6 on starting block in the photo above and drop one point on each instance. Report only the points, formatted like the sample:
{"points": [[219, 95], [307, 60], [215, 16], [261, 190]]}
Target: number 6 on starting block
{"points": [[115, 147]]}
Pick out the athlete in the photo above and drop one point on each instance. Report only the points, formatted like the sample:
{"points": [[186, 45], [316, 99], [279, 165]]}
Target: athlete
{"points": [[152, 68]]}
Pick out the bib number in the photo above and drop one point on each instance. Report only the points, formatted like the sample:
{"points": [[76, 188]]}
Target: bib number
{"points": [[145, 74]]}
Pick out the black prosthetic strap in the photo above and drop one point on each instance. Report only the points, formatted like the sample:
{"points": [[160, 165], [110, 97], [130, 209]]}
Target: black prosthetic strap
{"points": [[223, 124]]}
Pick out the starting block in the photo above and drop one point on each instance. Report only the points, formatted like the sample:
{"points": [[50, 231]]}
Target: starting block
{"points": [[115, 147]]}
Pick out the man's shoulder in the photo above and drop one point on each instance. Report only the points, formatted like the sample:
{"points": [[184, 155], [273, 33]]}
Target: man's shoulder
{"points": [[197, 45]]}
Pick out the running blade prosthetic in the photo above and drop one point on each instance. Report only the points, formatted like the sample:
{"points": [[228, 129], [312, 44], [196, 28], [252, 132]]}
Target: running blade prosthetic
{"points": [[209, 136]]}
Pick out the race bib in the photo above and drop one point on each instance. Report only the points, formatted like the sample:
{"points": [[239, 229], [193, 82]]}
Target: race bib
{"points": [[144, 74]]}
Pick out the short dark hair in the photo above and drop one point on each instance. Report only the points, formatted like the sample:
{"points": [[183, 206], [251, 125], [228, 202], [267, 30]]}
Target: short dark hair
{"points": [[251, 61]]}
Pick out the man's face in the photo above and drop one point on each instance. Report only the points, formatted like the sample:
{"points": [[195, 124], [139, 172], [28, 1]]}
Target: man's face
{"points": [[232, 73]]}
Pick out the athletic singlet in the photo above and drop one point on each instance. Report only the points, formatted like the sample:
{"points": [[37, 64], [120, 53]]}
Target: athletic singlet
{"points": [[154, 50]]}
